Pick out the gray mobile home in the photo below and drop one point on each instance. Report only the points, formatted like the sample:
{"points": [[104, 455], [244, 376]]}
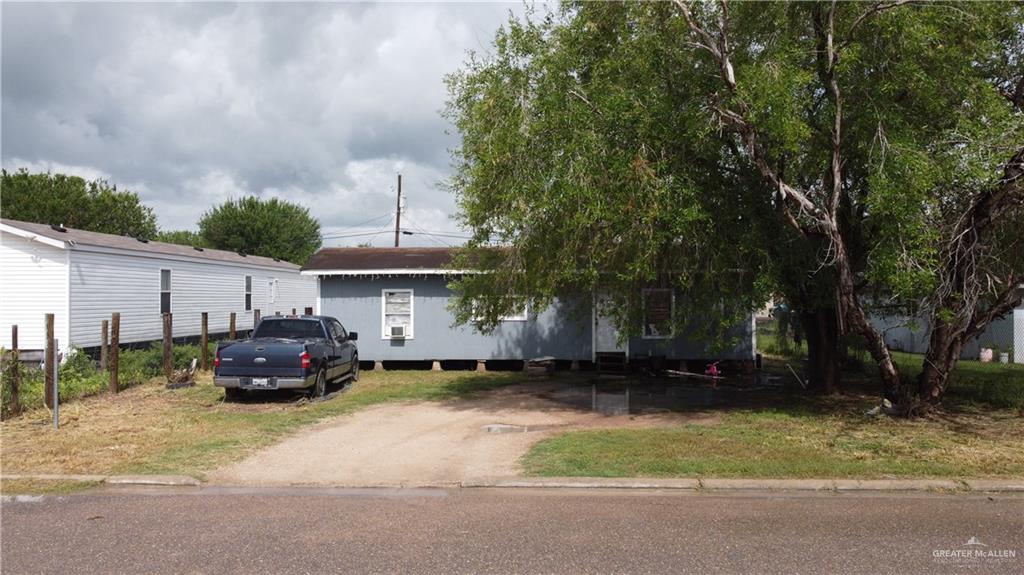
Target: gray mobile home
{"points": [[397, 299]]}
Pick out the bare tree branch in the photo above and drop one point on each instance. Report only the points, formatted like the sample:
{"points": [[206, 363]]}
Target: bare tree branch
{"points": [[851, 314], [837, 129]]}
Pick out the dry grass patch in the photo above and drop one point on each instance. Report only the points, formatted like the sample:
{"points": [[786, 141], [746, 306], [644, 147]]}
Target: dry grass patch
{"points": [[149, 429]]}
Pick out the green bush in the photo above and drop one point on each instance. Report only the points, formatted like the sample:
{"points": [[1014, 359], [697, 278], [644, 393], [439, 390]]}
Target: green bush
{"points": [[79, 375], [139, 365]]}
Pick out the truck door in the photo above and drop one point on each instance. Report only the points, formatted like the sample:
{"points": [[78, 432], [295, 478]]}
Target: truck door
{"points": [[346, 350]]}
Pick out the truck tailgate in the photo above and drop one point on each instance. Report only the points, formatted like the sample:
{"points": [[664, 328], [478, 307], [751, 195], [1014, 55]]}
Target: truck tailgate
{"points": [[262, 358]]}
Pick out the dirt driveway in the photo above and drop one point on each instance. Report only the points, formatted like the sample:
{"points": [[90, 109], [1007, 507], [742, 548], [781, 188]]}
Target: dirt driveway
{"points": [[418, 444]]}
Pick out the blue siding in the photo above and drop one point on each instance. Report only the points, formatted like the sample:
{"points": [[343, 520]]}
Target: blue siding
{"points": [[683, 347], [559, 331]]}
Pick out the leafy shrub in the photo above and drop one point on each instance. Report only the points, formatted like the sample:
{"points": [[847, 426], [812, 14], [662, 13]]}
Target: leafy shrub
{"points": [[79, 375], [76, 378]]}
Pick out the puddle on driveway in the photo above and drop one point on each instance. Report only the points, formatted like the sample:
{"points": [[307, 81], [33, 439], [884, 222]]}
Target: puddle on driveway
{"points": [[611, 397]]}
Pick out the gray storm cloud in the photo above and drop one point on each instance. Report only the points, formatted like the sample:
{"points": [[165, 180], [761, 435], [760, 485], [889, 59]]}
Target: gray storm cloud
{"points": [[192, 104]]}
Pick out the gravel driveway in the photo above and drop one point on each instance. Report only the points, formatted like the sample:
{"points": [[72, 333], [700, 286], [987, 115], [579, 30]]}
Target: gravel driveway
{"points": [[427, 443]]}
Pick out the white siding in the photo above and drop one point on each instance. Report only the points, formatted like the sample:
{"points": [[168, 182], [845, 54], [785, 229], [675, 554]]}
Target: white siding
{"points": [[33, 283], [103, 283], [1018, 335], [903, 336], [294, 292]]}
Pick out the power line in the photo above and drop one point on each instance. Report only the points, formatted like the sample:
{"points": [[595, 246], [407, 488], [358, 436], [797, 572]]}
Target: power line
{"points": [[379, 232], [352, 235], [429, 235], [344, 231]]}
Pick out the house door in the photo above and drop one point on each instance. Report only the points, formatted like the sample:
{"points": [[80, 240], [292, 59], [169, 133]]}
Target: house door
{"points": [[606, 335]]}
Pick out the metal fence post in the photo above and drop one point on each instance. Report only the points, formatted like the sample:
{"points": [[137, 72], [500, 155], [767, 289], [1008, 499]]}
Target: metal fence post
{"points": [[115, 343], [205, 355], [56, 386], [48, 360]]}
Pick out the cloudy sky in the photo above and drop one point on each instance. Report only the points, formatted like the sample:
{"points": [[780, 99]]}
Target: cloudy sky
{"points": [[192, 104]]}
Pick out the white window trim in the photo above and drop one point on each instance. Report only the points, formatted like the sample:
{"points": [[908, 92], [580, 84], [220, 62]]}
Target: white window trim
{"points": [[383, 315], [524, 316], [247, 281], [169, 291], [672, 311], [271, 291]]}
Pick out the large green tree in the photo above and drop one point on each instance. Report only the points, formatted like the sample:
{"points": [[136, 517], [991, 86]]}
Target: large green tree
{"points": [[848, 154], [583, 153], [182, 237], [915, 157], [271, 228], [72, 201]]}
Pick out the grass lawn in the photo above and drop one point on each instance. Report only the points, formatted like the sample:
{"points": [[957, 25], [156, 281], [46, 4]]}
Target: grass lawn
{"points": [[780, 443], [149, 429], [980, 433], [43, 486]]}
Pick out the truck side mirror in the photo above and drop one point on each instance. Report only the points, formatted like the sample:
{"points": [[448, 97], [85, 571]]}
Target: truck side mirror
{"points": [[352, 336]]}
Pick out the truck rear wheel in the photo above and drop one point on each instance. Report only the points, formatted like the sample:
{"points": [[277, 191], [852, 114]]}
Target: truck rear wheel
{"points": [[320, 387], [233, 393]]}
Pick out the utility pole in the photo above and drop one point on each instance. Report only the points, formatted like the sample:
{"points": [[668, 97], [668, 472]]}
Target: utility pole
{"points": [[398, 211]]}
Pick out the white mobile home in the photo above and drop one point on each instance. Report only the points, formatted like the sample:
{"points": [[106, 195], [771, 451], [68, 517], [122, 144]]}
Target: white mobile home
{"points": [[83, 277]]}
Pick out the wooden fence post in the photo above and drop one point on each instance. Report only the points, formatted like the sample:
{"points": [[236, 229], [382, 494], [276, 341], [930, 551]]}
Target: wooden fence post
{"points": [[15, 373], [115, 342], [293, 311], [168, 348], [104, 328], [231, 327], [255, 319], [205, 342], [50, 357]]}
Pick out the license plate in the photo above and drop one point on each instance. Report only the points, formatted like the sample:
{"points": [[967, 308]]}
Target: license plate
{"points": [[260, 382]]}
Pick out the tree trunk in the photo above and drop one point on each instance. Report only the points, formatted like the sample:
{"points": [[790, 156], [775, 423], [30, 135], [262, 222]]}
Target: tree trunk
{"points": [[856, 321], [823, 357], [944, 349], [950, 332]]}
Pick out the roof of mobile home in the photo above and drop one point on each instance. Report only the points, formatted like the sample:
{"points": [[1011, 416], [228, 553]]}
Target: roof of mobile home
{"points": [[379, 261], [69, 237]]}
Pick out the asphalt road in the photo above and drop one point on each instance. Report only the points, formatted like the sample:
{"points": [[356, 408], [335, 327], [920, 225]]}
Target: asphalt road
{"points": [[223, 530]]}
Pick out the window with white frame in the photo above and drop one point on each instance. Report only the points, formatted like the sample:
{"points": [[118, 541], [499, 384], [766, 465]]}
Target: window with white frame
{"points": [[520, 312], [272, 290], [165, 291], [248, 293], [397, 313], [659, 305]]}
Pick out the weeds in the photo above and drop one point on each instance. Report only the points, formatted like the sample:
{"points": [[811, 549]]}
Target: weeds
{"points": [[80, 376]]}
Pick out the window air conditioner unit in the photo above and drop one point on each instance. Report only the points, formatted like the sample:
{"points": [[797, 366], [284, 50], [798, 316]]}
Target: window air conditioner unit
{"points": [[398, 332]]}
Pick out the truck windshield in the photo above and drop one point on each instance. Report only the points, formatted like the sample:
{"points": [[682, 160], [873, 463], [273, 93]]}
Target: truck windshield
{"points": [[289, 329]]}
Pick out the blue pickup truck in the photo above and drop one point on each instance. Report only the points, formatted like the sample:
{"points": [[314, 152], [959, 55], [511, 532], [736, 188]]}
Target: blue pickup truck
{"points": [[303, 353]]}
